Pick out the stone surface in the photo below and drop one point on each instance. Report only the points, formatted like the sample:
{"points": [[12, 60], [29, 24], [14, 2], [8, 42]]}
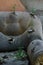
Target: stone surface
{"points": [[41, 17], [33, 4], [9, 58]]}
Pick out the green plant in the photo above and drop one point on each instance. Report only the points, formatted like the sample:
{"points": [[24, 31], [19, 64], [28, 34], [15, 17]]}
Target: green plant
{"points": [[20, 54], [1, 60], [33, 10], [14, 7]]}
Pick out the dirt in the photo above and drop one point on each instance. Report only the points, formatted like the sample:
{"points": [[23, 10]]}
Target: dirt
{"points": [[7, 5]]}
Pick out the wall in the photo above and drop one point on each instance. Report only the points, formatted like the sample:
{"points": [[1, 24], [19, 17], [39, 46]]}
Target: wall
{"points": [[7, 5]]}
